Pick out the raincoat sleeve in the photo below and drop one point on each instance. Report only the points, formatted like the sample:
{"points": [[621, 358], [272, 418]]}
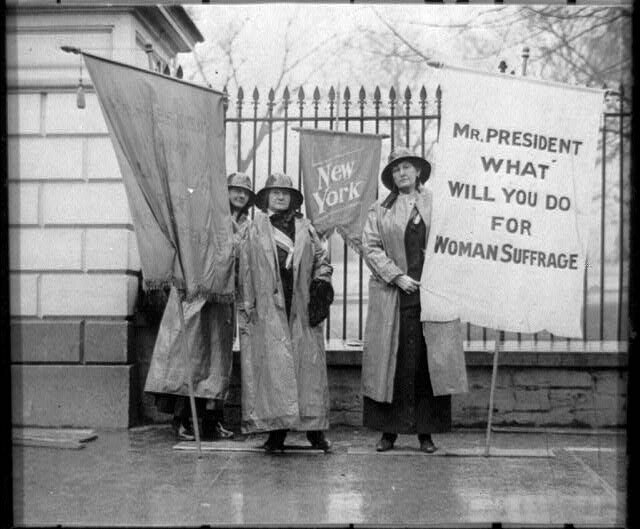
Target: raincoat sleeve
{"points": [[246, 298], [373, 249]]}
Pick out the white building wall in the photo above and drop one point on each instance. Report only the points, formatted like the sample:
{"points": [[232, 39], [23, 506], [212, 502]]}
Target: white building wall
{"points": [[74, 265]]}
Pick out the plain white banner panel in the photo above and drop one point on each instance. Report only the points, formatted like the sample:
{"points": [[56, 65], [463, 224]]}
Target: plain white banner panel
{"points": [[513, 179]]}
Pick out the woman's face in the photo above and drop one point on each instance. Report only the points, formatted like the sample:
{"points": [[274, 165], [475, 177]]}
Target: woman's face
{"points": [[279, 200], [404, 176], [238, 197]]}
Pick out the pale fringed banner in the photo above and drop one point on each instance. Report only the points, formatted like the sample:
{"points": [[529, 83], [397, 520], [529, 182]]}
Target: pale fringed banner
{"points": [[169, 138]]}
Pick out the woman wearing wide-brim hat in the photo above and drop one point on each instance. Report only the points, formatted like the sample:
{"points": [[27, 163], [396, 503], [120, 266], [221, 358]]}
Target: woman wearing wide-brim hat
{"points": [[398, 396], [241, 198], [285, 291]]}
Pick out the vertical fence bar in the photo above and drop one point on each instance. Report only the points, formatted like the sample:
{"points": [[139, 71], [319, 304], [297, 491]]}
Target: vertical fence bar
{"points": [[285, 104], [423, 111], [239, 138], [621, 212], [316, 102], [602, 206], [345, 248], [584, 302], [361, 101], [256, 98], [407, 104], [332, 96], [392, 112], [439, 107], [270, 102], [301, 116]]}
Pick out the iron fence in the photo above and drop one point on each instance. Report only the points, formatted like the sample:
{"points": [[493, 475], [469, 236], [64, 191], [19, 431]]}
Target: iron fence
{"points": [[260, 142]]}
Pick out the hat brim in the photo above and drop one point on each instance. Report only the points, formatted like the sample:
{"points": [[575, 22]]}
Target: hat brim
{"points": [[252, 195], [423, 165], [262, 197]]}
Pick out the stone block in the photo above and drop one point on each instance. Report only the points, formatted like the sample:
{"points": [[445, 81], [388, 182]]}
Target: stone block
{"points": [[33, 51], [516, 418], [533, 378], [85, 203], [45, 341], [23, 294], [134, 255], [101, 160], [558, 416], [88, 295], [109, 249], [571, 397], [23, 204], [62, 115], [531, 400], [38, 158], [604, 418], [350, 418], [503, 400], [73, 396], [609, 402], [610, 383], [107, 342], [572, 378], [45, 249], [23, 113]]}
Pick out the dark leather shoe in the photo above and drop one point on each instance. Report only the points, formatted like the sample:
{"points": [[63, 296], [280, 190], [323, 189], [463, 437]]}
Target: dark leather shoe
{"points": [[319, 441], [384, 444], [426, 445], [275, 442]]}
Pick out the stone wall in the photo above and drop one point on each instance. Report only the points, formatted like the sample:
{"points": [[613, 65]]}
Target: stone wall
{"points": [[541, 389], [74, 266]]}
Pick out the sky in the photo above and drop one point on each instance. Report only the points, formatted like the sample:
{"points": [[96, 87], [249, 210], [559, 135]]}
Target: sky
{"points": [[331, 38]]}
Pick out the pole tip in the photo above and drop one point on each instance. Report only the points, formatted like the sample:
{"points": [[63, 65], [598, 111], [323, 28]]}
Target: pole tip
{"points": [[70, 49]]}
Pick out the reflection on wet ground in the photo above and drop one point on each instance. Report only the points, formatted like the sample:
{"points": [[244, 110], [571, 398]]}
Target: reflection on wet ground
{"points": [[135, 478]]}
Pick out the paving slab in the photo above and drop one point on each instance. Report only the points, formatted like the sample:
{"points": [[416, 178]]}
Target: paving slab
{"points": [[136, 478]]}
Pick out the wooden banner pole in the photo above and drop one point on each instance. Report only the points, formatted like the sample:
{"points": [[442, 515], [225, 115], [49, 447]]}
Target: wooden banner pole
{"points": [[494, 376], [192, 399]]}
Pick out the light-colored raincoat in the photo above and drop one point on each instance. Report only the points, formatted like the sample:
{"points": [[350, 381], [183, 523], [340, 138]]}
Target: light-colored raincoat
{"points": [[284, 372], [209, 329], [384, 252]]}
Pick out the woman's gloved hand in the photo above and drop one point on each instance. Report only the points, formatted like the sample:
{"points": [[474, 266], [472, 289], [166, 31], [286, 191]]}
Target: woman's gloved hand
{"points": [[320, 299]]}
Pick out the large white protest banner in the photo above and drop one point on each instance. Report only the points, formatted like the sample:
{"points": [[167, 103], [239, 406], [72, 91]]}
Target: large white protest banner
{"points": [[513, 180]]}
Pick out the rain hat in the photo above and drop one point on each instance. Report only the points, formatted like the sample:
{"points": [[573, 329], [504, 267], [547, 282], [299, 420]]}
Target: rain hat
{"points": [[278, 181], [398, 155], [242, 181]]}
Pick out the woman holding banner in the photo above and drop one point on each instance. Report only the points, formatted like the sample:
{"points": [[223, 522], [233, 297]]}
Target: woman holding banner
{"points": [[398, 395], [285, 289]]}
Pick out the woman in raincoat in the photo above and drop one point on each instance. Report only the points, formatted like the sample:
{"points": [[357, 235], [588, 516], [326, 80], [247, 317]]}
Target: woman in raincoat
{"points": [[398, 395], [285, 285], [210, 328], [241, 198]]}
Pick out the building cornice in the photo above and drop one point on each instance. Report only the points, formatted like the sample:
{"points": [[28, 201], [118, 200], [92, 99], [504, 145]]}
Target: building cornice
{"points": [[171, 22]]}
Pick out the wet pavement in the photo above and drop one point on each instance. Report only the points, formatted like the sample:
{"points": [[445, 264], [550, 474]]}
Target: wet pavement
{"points": [[135, 478]]}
